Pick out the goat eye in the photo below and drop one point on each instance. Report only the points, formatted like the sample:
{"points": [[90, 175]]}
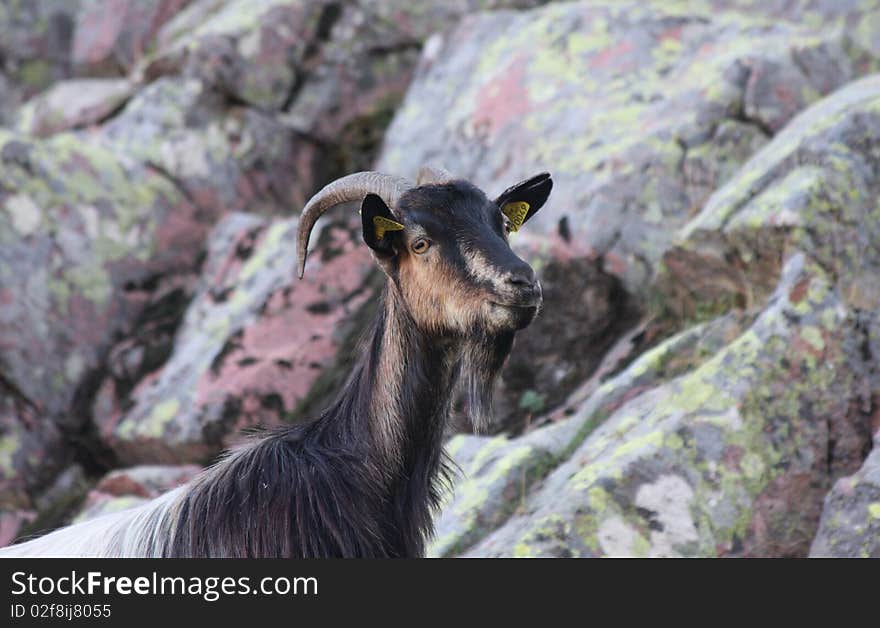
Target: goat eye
{"points": [[420, 246]]}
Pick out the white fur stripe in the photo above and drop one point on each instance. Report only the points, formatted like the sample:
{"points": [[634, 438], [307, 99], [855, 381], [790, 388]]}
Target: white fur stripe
{"points": [[140, 531]]}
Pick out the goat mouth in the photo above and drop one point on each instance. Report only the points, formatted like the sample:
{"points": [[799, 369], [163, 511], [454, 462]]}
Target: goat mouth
{"points": [[516, 315], [515, 306]]}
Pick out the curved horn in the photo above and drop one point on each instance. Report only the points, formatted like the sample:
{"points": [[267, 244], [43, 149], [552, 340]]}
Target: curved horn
{"points": [[353, 187], [434, 174]]}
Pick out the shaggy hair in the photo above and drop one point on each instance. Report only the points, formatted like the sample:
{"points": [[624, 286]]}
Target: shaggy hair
{"points": [[344, 485]]}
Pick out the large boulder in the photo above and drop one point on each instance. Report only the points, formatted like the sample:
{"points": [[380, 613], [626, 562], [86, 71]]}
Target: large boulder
{"points": [[498, 474], [356, 79], [815, 189], [729, 459], [83, 232], [320, 78], [81, 229], [251, 51], [111, 36], [223, 157], [72, 104], [850, 525], [252, 347], [640, 110]]}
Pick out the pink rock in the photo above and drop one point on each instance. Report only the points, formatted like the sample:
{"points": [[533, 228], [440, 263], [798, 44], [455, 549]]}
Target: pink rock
{"points": [[112, 35], [125, 488], [146, 481], [254, 343]]}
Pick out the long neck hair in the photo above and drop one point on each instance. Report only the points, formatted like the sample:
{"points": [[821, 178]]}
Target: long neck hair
{"points": [[362, 480]]}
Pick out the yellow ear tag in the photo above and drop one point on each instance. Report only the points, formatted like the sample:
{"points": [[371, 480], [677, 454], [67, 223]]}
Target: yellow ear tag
{"points": [[382, 224], [516, 213]]}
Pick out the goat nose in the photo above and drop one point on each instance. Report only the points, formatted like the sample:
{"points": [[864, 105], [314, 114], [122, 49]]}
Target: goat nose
{"points": [[522, 279]]}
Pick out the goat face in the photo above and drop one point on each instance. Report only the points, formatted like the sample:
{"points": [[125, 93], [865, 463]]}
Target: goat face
{"points": [[446, 248]]}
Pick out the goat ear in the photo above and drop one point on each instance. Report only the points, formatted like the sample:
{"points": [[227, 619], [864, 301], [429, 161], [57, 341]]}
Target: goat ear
{"points": [[378, 224], [523, 200]]}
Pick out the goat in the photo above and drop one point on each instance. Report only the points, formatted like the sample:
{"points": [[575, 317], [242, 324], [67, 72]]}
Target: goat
{"points": [[363, 479]]}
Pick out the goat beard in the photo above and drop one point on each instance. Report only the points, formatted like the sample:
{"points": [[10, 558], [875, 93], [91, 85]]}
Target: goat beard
{"points": [[483, 357]]}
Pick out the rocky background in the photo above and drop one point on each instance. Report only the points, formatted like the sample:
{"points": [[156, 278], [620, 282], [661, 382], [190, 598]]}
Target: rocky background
{"points": [[704, 379]]}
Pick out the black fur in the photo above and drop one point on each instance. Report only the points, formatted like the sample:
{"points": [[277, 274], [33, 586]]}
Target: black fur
{"points": [[323, 489], [346, 485]]}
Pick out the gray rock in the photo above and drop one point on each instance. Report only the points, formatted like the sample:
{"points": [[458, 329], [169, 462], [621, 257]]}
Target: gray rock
{"points": [[850, 524], [729, 459], [72, 104], [640, 110]]}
